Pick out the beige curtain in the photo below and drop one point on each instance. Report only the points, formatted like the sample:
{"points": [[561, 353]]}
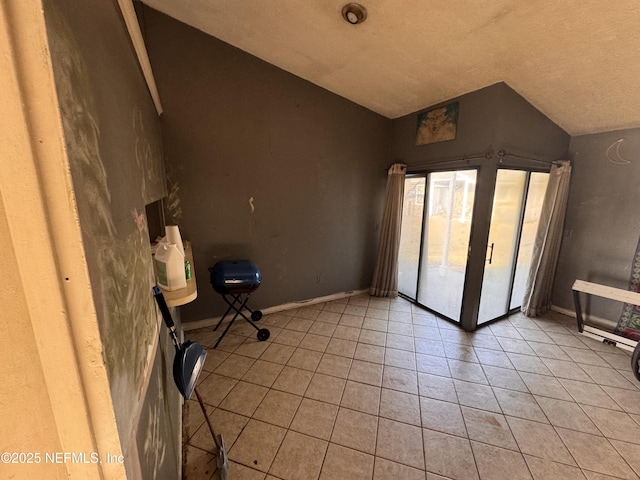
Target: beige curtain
{"points": [[385, 276], [537, 296]]}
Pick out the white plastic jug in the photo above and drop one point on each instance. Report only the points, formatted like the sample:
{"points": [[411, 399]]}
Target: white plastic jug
{"points": [[170, 267]]}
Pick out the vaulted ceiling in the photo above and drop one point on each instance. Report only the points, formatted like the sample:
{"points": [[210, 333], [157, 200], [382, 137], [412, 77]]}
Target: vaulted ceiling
{"points": [[577, 61]]}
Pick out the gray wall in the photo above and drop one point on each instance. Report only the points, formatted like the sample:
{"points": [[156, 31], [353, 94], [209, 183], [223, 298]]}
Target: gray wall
{"points": [[490, 119], [112, 134], [237, 128], [603, 219]]}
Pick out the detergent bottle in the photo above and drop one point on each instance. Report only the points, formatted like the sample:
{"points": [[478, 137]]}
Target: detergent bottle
{"points": [[170, 267]]}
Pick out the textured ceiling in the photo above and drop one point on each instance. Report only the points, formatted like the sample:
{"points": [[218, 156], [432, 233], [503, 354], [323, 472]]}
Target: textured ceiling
{"points": [[577, 61]]}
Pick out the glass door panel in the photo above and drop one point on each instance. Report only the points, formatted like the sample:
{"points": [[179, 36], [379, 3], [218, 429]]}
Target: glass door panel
{"points": [[410, 235], [445, 244], [535, 196], [504, 232]]}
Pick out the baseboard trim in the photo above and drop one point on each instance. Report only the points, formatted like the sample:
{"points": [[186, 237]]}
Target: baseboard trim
{"points": [[210, 322]]}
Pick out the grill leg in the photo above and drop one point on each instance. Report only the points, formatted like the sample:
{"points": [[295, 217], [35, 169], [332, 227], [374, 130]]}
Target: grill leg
{"points": [[232, 305]]}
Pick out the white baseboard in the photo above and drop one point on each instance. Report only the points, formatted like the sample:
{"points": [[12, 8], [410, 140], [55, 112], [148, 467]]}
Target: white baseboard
{"points": [[211, 322], [596, 333]]}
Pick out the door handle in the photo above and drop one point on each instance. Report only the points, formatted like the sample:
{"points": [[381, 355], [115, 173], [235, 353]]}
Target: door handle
{"points": [[491, 254]]}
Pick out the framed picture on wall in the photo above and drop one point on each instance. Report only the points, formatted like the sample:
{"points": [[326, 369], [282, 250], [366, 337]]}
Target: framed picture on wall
{"points": [[437, 125]]}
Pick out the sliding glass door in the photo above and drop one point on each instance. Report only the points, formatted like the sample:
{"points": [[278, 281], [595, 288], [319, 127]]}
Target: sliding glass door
{"points": [[434, 243], [436, 266], [516, 208]]}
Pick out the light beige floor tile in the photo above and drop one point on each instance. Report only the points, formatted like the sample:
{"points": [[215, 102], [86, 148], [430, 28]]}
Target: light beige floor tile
{"points": [[244, 398], [547, 350], [519, 404], [476, 396], [499, 464], [539, 440], [438, 452], [330, 317], [192, 417], [545, 386], [350, 321], [542, 469], [400, 379], [214, 359], [607, 376], [588, 394], [480, 340], [375, 324], [442, 416], [299, 458], [235, 366], [361, 397], [308, 313], [504, 378], [315, 418], [342, 462], [362, 300], [567, 340], [312, 341], [434, 386], [379, 302], [597, 476], [305, 359], [427, 332], [369, 353], [215, 387], [404, 327], [347, 333], [386, 470], [334, 365], [323, 328], [528, 363], [400, 358], [488, 427], [433, 364], [293, 380], [512, 345], [326, 388], [355, 310], [377, 313], [584, 357], [289, 337], [614, 424], [355, 430], [275, 320], [400, 443], [252, 347], [429, 347], [343, 348], [630, 452], [373, 337], [462, 353], [199, 464], [257, 445], [615, 359], [629, 400], [278, 408], [278, 353], [469, 372], [366, 372], [567, 415], [400, 342], [502, 330], [400, 406], [565, 369], [230, 342], [263, 373], [535, 335], [334, 307], [299, 324], [595, 453], [224, 423], [453, 334], [240, 472]]}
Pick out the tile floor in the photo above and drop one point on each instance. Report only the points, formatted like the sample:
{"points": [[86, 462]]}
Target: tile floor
{"points": [[373, 389]]}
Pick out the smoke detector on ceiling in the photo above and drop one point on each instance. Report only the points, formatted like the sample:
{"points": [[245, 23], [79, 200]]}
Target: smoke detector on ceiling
{"points": [[354, 13]]}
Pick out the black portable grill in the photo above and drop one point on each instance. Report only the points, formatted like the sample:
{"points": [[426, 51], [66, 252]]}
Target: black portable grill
{"points": [[237, 279]]}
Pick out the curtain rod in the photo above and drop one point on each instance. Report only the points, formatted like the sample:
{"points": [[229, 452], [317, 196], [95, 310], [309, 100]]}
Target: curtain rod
{"points": [[487, 155]]}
